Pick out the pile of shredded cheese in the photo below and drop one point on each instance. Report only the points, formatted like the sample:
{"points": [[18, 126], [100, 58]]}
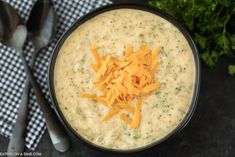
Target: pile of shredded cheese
{"points": [[125, 81]]}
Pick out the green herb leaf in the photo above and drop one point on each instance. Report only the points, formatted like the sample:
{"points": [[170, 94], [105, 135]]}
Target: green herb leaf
{"points": [[231, 69], [232, 39], [211, 22], [201, 40], [222, 41], [206, 57]]}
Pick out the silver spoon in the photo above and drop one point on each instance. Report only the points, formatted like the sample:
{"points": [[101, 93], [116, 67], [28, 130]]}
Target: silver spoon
{"points": [[16, 38], [41, 29], [9, 23]]}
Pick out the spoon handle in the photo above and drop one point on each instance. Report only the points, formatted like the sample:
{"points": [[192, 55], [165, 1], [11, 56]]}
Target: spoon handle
{"points": [[57, 134], [17, 140]]}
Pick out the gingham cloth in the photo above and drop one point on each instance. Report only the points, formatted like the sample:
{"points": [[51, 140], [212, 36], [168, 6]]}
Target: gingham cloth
{"points": [[12, 74]]}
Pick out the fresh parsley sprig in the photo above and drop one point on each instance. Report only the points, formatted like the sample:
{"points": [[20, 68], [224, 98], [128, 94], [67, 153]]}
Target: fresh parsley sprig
{"points": [[211, 22]]}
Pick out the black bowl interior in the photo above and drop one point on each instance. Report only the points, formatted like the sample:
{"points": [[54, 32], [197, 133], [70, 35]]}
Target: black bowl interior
{"points": [[121, 6]]}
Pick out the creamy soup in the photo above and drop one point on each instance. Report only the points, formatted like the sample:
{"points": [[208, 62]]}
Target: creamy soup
{"points": [[162, 111]]}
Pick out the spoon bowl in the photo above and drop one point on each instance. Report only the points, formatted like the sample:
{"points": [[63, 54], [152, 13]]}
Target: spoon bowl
{"points": [[9, 20], [42, 24]]}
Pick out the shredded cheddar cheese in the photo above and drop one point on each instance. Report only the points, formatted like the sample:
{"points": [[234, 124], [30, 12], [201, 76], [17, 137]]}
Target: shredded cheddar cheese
{"points": [[125, 81]]}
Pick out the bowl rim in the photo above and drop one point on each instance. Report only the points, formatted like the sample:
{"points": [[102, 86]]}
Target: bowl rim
{"points": [[110, 7]]}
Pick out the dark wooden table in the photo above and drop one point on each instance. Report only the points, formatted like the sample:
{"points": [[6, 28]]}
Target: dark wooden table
{"points": [[210, 133]]}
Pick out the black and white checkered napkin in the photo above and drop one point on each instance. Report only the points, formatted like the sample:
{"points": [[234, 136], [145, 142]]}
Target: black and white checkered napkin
{"points": [[12, 74]]}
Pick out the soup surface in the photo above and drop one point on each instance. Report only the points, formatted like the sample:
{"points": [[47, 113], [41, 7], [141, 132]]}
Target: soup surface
{"points": [[162, 111]]}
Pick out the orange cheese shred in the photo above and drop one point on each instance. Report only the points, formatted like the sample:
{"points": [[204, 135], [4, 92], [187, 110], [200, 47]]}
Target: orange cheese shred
{"points": [[127, 106], [124, 81], [95, 53], [155, 53], [128, 51], [112, 112], [136, 117], [95, 67], [125, 118], [154, 66], [94, 97], [150, 88]]}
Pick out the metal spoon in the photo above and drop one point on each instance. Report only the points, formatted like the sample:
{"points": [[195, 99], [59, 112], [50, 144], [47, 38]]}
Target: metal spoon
{"points": [[16, 38], [9, 23], [42, 28]]}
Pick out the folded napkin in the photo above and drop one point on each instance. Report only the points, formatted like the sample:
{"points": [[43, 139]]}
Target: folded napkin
{"points": [[12, 74]]}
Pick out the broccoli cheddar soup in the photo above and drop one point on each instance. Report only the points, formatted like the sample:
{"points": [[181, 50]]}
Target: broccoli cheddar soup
{"points": [[124, 79]]}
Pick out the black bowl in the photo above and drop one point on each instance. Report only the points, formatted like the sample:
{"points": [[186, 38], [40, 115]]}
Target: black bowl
{"points": [[108, 8]]}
